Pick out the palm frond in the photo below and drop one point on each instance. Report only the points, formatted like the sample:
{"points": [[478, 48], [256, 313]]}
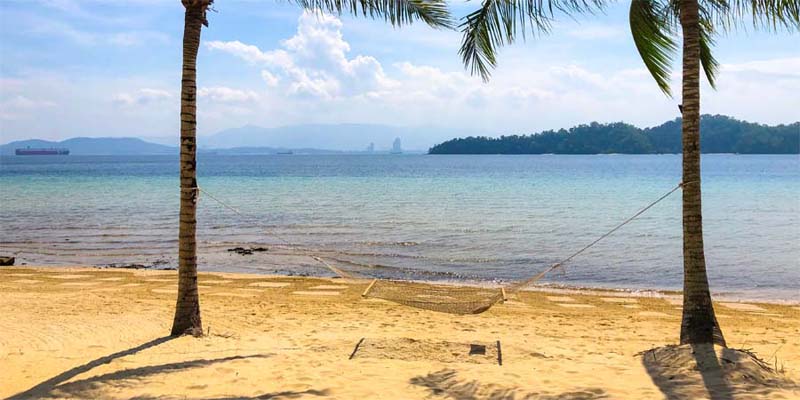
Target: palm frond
{"points": [[769, 15], [707, 61], [653, 34], [497, 23], [397, 12]]}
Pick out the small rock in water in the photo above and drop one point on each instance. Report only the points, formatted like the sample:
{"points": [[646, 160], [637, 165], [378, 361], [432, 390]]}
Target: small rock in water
{"points": [[6, 261], [157, 265], [244, 252]]}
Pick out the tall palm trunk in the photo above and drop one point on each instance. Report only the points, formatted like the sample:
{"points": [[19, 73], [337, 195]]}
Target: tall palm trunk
{"points": [[187, 310], [699, 324]]}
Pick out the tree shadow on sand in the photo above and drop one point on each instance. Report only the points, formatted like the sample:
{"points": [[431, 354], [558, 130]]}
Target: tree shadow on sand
{"points": [[47, 386], [92, 387], [706, 371], [446, 384]]}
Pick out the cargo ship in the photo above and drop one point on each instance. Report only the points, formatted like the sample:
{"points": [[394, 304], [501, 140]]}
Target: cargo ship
{"points": [[41, 152]]}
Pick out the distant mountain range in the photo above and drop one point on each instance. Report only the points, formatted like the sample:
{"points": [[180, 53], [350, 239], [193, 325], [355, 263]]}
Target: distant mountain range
{"points": [[718, 134], [250, 139]]}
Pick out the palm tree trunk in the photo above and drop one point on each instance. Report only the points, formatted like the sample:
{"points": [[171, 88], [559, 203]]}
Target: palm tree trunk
{"points": [[699, 324], [187, 310]]}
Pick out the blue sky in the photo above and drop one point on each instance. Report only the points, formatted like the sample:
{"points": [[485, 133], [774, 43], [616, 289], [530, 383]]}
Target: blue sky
{"points": [[112, 68]]}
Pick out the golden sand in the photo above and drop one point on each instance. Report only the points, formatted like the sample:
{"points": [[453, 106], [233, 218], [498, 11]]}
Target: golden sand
{"points": [[285, 338]]}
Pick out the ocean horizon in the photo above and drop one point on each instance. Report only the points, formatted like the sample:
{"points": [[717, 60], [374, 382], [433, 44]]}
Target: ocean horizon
{"points": [[469, 219]]}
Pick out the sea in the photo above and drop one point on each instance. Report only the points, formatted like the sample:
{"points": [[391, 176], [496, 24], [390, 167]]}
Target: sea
{"points": [[449, 218]]}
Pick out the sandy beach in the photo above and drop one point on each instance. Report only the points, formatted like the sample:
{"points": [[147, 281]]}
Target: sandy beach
{"points": [[102, 333]]}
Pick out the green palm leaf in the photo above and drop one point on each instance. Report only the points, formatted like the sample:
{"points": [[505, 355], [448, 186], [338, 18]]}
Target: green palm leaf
{"points": [[497, 22], [770, 15], [707, 60], [398, 12], [654, 37]]}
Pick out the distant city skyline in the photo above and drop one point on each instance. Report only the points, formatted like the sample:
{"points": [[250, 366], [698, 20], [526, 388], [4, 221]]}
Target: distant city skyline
{"points": [[90, 68]]}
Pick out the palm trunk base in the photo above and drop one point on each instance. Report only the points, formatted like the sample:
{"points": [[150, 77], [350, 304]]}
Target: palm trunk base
{"points": [[701, 331]]}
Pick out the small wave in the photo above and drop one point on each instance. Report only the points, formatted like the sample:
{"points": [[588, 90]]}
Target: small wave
{"points": [[388, 244]]}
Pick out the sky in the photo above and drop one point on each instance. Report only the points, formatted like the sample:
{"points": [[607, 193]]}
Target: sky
{"points": [[112, 68]]}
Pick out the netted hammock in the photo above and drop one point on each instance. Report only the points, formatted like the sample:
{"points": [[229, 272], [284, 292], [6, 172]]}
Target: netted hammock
{"points": [[441, 298], [448, 298]]}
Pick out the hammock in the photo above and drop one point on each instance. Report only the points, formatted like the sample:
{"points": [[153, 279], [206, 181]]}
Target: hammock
{"points": [[442, 298], [451, 299]]}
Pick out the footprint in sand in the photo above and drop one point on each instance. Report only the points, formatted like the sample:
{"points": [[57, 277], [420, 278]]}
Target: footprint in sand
{"points": [[743, 307], [560, 299], [270, 284], [316, 293]]}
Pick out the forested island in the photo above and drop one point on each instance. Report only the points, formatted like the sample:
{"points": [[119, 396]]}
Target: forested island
{"points": [[719, 134]]}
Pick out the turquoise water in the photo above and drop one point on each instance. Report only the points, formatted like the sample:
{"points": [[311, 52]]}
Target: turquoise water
{"points": [[462, 218]]}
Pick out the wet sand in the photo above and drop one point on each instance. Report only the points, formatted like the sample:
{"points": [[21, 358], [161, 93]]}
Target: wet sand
{"points": [[101, 333]]}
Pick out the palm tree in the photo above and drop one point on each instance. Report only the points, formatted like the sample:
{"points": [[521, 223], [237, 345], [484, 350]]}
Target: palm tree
{"points": [[654, 25], [397, 12]]}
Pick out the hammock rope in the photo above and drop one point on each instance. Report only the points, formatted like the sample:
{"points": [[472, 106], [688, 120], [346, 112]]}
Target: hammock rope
{"points": [[446, 298]]}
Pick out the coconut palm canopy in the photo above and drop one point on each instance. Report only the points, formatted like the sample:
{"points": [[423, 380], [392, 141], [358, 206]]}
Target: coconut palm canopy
{"points": [[654, 26]]}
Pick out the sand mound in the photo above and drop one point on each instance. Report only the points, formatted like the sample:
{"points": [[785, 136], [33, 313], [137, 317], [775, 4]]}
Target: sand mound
{"points": [[701, 371]]}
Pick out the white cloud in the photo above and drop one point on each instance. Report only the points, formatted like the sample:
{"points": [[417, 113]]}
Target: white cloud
{"points": [[270, 79], [246, 52], [142, 96], [227, 95], [314, 62], [785, 67]]}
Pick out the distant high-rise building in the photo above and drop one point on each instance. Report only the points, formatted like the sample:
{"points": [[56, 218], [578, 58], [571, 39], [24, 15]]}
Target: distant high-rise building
{"points": [[396, 147], [371, 148]]}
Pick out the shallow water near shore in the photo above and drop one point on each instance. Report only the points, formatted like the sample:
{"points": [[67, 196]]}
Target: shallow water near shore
{"points": [[454, 218]]}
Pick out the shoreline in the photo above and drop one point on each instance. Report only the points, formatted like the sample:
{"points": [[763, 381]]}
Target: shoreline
{"points": [[726, 296]]}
